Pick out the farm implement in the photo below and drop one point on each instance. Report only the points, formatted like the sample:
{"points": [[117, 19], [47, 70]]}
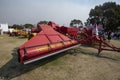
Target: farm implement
{"points": [[51, 39], [19, 32]]}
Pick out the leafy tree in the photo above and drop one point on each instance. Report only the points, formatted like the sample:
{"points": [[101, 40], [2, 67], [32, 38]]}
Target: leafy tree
{"points": [[43, 22], [107, 14], [28, 26], [16, 26], [9, 26], [76, 23]]}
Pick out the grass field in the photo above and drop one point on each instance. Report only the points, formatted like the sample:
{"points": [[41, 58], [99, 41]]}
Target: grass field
{"points": [[65, 66]]}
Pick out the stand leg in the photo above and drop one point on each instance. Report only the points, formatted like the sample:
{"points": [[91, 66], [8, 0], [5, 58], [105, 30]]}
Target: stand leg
{"points": [[100, 48]]}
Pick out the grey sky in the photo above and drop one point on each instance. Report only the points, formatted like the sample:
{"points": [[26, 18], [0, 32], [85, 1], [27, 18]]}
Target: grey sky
{"points": [[59, 11]]}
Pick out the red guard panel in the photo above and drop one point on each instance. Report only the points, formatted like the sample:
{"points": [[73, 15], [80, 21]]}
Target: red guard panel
{"points": [[46, 43], [37, 40], [54, 38]]}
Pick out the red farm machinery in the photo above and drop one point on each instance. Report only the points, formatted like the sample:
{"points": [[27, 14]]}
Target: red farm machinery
{"points": [[51, 39]]}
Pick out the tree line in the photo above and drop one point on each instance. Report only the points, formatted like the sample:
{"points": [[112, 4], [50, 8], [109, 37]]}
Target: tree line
{"points": [[17, 26], [107, 14]]}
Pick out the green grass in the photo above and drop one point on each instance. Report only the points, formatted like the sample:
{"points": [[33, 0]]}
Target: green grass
{"points": [[65, 66]]}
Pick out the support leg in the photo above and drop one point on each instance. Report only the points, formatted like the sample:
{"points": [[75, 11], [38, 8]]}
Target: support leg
{"points": [[100, 48]]}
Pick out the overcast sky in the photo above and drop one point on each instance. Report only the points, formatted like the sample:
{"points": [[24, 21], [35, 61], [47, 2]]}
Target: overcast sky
{"points": [[59, 11]]}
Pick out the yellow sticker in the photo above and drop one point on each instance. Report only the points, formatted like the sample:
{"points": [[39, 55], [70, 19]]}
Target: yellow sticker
{"points": [[42, 48]]}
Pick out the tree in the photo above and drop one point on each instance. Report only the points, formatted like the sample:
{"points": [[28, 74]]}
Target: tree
{"points": [[107, 14], [9, 26], [28, 26], [76, 23], [43, 22], [16, 26]]}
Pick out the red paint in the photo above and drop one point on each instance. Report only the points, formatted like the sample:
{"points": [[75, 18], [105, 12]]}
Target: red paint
{"points": [[45, 42]]}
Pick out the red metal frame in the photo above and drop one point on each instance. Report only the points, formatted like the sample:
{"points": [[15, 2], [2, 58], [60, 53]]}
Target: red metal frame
{"points": [[47, 42], [52, 39]]}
